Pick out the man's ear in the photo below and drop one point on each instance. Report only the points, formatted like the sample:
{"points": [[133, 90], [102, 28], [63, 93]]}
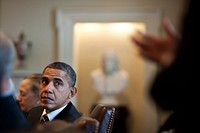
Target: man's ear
{"points": [[73, 91]]}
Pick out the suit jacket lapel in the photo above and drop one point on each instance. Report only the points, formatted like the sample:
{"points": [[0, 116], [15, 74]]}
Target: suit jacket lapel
{"points": [[69, 113]]}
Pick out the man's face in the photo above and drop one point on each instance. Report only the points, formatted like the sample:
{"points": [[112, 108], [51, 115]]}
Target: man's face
{"points": [[54, 89], [27, 98]]}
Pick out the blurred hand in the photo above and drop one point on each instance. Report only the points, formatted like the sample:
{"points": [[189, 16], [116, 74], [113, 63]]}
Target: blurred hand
{"points": [[87, 123], [158, 49], [84, 124]]}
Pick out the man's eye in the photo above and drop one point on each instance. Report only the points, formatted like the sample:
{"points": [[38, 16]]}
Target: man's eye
{"points": [[44, 81], [57, 83], [22, 94]]}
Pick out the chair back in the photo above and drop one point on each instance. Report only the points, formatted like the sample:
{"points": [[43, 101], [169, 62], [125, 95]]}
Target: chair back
{"points": [[105, 115]]}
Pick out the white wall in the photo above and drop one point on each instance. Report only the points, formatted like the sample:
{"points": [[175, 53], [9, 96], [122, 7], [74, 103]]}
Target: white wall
{"points": [[36, 19]]}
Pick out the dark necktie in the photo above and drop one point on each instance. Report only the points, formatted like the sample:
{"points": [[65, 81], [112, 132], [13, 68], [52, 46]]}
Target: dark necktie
{"points": [[44, 118]]}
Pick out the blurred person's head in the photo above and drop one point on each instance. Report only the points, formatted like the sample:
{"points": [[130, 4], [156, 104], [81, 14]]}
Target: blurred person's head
{"points": [[7, 56], [29, 92], [57, 85]]}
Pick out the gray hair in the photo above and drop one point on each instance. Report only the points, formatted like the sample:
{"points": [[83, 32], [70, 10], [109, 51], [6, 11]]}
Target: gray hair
{"points": [[35, 82], [7, 56]]}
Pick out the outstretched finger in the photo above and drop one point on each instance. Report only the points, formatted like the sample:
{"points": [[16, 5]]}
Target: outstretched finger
{"points": [[169, 28], [141, 43]]}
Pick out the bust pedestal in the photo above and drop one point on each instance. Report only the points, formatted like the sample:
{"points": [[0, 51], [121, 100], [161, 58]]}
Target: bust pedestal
{"points": [[109, 100]]}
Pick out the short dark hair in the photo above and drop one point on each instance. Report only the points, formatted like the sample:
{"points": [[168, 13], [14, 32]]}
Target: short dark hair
{"points": [[71, 75]]}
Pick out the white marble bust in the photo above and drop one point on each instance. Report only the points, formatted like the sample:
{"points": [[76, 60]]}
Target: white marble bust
{"points": [[109, 80]]}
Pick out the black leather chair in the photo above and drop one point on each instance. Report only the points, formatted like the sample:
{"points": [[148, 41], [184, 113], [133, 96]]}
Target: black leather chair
{"points": [[105, 115]]}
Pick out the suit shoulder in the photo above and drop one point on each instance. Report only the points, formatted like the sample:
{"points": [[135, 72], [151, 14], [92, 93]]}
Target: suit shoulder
{"points": [[34, 112]]}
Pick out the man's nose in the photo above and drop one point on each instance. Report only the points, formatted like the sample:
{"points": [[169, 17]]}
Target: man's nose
{"points": [[49, 87], [18, 98]]}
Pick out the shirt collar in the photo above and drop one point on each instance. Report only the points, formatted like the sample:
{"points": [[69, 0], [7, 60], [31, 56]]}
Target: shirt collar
{"points": [[54, 113]]}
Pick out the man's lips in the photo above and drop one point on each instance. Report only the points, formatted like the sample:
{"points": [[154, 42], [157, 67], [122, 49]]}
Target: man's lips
{"points": [[46, 98]]}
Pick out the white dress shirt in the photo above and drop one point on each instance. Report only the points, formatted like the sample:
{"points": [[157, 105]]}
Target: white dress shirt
{"points": [[54, 113]]}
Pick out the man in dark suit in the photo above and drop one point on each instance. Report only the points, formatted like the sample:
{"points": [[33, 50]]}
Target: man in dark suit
{"points": [[11, 117], [57, 87]]}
